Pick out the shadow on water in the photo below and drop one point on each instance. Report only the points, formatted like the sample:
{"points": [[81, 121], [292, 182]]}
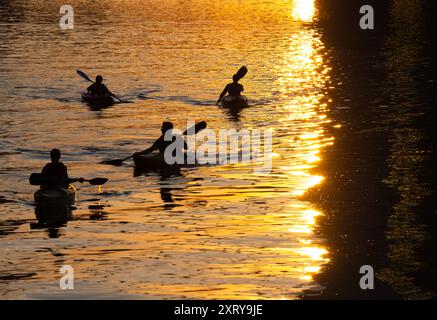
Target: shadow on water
{"points": [[53, 213], [165, 190], [187, 100], [7, 227], [96, 107], [410, 87], [378, 198], [233, 113], [54, 227], [15, 11], [97, 212]]}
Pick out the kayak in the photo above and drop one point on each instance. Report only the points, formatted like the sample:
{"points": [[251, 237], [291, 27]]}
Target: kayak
{"points": [[156, 161], [53, 203], [235, 101], [98, 100]]}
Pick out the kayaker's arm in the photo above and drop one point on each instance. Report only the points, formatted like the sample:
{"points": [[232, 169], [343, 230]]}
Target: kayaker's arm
{"points": [[225, 90], [108, 92], [155, 146], [147, 151], [90, 88]]}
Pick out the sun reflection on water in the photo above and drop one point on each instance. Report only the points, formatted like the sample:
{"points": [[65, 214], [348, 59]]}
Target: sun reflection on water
{"points": [[304, 76], [303, 10], [219, 232]]}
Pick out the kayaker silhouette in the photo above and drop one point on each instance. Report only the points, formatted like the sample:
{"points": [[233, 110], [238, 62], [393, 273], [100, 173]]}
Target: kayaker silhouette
{"points": [[160, 144], [234, 88], [56, 195], [98, 88], [146, 160], [57, 170]]}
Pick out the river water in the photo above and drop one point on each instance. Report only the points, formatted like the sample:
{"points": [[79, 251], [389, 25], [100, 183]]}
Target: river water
{"points": [[210, 232]]}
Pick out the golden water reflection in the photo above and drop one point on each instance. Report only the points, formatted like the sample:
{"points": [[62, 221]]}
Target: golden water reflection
{"points": [[305, 74], [217, 232], [303, 10]]}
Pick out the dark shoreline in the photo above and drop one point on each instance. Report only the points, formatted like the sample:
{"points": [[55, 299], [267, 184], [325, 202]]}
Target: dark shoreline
{"points": [[378, 198]]}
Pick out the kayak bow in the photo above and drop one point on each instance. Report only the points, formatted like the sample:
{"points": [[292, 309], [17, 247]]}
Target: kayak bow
{"points": [[235, 101], [155, 161]]}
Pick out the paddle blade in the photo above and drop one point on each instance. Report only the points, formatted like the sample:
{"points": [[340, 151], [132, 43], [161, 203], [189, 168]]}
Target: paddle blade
{"points": [[196, 128], [116, 162], [84, 75], [241, 73], [98, 181], [122, 101], [36, 179]]}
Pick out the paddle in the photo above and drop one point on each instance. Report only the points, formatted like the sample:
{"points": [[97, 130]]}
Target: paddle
{"points": [[196, 128], [241, 72], [97, 181], [193, 130], [116, 162], [37, 179], [85, 76]]}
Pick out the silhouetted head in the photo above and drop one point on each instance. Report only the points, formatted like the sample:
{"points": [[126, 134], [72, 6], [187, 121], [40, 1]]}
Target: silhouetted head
{"points": [[55, 155], [235, 78], [166, 125], [99, 79]]}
